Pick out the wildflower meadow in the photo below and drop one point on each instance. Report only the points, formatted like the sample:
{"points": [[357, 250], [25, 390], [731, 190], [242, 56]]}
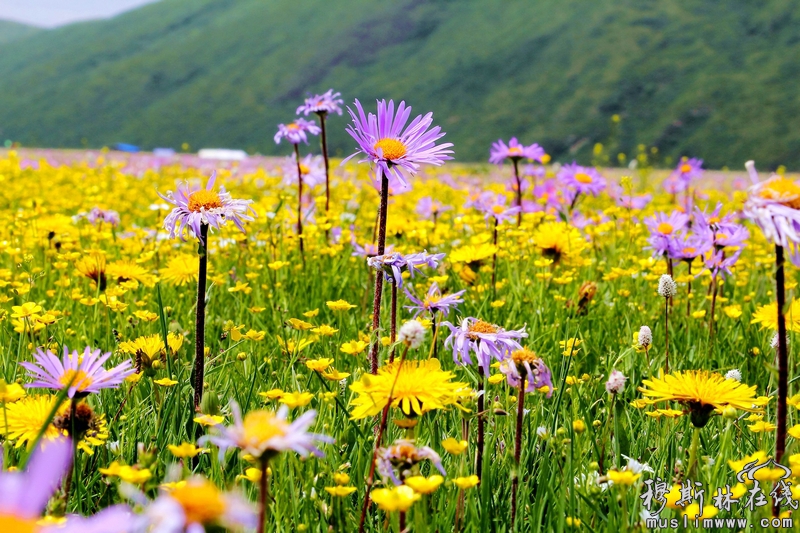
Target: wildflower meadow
{"points": [[396, 340]]}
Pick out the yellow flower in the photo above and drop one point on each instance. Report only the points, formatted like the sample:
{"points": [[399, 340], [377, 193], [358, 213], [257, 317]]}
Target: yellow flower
{"points": [[416, 387], [569, 347], [340, 491], [794, 431], [573, 522], [254, 335], [340, 478], [28, 309], [128, 474], [296, 399], [180, 270], [453, 446], [733, 311], [466, 482], [395, 499], [147, 316], [762, 427], [277, 265], [561, 242], [496, 378], [767, 316], [202, 501], [311, 314], [759, 457], [186, 449], [209, 420], [424, 485], [335, 375], [699, 314], [354, 347], [289, 346], [472, 254], [578, 426], [10, 392], [319, 365], [324, 330], [165, 382], [252, 475], [498, 304], [623, 477], [692, 511], [299, 324], [339, 305]]}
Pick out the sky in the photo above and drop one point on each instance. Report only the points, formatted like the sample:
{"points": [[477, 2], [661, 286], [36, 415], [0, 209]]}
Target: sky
{"points": [[52, 13]]}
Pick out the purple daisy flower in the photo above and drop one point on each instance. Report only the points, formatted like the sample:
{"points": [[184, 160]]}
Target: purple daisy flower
{"points": [[525, 365], [296, 132], [719, 263], [98, 215], [195, 207], [485, 339], [723, 231], [312, 168], [393, 264], [434, 301], [500, 151], [494, 206], [322, 104], [686, 246], [582, 180], [689, 169], [428, 207], [774, 205], [367, 250], [663, 230], [395, 149], [83, 372], [24, 495], [402, 456], [261, 433]]}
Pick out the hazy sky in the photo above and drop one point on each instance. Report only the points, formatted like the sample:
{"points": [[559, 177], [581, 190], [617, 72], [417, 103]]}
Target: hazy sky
{"points": [[50, 13]]}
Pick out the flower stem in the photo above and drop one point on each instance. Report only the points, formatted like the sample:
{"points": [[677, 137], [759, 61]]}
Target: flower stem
{"points": [[783, 364], [300, 202], [666, 335], [376, 302], [264, 495], [494, 262], [519, 190], [714, 290], [393, 331], [200, 317], [481, 406], [689, 290], [690, 471], [323, 139], [517, 452]]}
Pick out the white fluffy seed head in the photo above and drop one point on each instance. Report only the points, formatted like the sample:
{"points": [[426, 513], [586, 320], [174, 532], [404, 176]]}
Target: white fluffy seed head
{"points": [[412, 333], [734, 375], [645, 337], [774, 342], [667, 287], [616, 382]]}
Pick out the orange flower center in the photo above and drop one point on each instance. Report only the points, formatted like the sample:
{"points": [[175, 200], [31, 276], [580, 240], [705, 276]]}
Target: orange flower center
{"points": [[686, 168], [582, 177], [77, 379], [392, 148], [12, 524], [515, 151], [523, 355], [304, 169], [784, 191], [481, 327], [665, 228], [202, 502], [261, 426], [204, 200]]}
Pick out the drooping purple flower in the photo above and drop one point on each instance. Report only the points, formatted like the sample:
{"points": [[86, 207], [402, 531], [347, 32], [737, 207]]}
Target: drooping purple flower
{"points": [[582, 180], [392, 264], [434, 301], [525, 365], [486, 340], [396, 150], [723, 231], [296, 132], [82, 372], [664, 229], [322, 104], [197, 206], [500, 151], [402, 456], [719, 263]]}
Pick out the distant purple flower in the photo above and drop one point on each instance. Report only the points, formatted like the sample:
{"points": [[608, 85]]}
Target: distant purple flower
{"points": [[583, 180], [367, 250], [195, 207], [531, 369], [664, 229], [493, 206], [434, 301], [109, 216], [322, 104], [392, 264], [724, 231], [689, 169], [499, 151], [687, 246], [428, 207], [296, 132], [312, 168], [83, 372], [484, 339], [395, 149], [719, 263], [402, 456]]}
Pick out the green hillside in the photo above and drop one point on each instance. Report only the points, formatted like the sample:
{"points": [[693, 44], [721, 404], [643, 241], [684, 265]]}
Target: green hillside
{"points": [[717, 80], [11, 31]]}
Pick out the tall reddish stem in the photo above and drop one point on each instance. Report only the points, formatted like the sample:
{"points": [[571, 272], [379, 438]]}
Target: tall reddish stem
{"points": [[299, 202], [376, 302], [200, 317]]}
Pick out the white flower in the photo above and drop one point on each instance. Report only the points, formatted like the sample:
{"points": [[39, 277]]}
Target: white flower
{"points": [[542, 432], [636, 467], [645, 337], [616, 382], [412, 333], [667, 287], [734, 375], [774, 342]]}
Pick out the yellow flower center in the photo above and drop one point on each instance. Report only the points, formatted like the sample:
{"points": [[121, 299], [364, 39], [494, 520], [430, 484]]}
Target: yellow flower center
{"points": [[430, 300], [481, 327], [77, 379], [293, 127], [515, 151], [524, 355], [304, 169], [204, 200], [582, 177], [12, 524], [392, 148], [689, 250], [202, 502], [784, 191], [665, 228], [260, 426], [686, 168], [497, 209]]}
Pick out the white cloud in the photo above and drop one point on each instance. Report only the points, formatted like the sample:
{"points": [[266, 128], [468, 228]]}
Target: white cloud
{"points": [[51, 13]]}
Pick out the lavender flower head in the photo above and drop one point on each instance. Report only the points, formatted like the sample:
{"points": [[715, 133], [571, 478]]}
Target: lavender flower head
{"points": [[525, 365], [196, 207], [434, 301], [486, 340], [663, 230], [396, 150], [312, 169], [493, 206], [722, 231], [264, 433], [322, 104], [686, 171], [82, 372], [98, 215], [582, 180], [401, 457], [774, 205], [687, 246], [514, 150], [296, 132], [428, 207], [393, 264]]}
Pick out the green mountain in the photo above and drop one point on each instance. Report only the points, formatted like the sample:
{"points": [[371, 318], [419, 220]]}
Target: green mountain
{"points": [[11, 31], [716, 80]]}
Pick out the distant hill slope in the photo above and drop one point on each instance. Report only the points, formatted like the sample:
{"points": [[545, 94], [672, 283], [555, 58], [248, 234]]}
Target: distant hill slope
{"points": [[11, 31], [717, 80]]}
